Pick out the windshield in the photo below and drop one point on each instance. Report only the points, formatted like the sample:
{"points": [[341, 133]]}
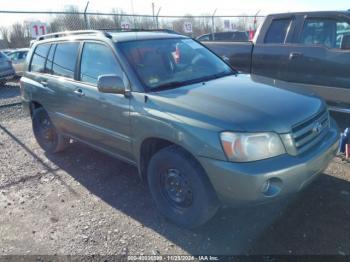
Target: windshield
{"points": [[169, 63]]}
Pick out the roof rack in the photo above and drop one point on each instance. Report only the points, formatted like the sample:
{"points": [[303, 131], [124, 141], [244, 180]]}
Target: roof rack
{"points": [[101, 31], [138, 30], [77, 32]]}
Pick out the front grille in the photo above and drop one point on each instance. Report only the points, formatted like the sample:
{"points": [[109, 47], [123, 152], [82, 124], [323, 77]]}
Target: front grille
{"points": [[310, 132]]}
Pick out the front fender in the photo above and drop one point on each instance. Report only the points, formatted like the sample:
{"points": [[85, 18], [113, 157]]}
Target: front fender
{"points": [[149, 121]]}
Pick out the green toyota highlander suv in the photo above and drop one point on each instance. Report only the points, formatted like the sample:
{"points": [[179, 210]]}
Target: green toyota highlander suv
{"points": [[202, 135]]}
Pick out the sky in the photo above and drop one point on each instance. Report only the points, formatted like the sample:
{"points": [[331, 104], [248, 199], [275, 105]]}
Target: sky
{"points": [[172, 7]]}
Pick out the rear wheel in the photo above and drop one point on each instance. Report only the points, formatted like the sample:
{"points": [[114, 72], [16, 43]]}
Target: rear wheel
{"points": [[180, 187], [46, 134]]}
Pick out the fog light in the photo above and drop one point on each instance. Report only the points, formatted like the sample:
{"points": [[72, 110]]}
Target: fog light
{"points": [[271, 187]]}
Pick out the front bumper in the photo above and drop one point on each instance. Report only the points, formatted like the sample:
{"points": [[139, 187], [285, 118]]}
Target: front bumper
{"points": [[245, 183]]}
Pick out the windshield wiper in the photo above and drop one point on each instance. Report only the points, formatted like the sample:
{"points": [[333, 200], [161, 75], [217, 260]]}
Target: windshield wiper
{"points": [[168, 85], [175, 84]]}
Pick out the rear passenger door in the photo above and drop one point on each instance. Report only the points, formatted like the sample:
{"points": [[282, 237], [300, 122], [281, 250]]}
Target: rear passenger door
{"points": [[60, 68], [271, 51], [37, 79], [104, 117], [317, 60]]}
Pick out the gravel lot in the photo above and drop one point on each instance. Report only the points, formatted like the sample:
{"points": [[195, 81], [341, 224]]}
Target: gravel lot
{"points": [[84, 202]]}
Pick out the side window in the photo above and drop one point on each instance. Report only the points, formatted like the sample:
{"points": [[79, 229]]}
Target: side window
{"points": [[22, 55], [49, 61], [204, 38], [97, 59], [223, 36], [39, 57], [343, 28], [278, 30], [65, 59], [13, 56], [321, 31]]}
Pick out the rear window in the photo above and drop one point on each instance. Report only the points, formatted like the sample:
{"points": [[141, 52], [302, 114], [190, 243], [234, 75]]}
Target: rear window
{"points": [[65, 59], [278, 31], [224, 36], [39, 58]]}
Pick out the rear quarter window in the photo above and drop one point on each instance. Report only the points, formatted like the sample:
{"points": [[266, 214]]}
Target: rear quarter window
{"points": [[39, 58]]}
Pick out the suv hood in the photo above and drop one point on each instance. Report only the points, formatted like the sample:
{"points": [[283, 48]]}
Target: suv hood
{"points": [[237, 103]]}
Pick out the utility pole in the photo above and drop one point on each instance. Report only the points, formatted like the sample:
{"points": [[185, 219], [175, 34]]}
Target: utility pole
{"points": [[157, 16], [87, 25], [213, 24], [133, 12], [255, 21], [154, 22]]}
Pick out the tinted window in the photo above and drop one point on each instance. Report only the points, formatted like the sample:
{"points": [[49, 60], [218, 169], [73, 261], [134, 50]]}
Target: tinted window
{"points": [[49, 61], [223, 36], [65, 59], [39, 58], [278, 31], [240, 36], [96, 60], [22, 55]]}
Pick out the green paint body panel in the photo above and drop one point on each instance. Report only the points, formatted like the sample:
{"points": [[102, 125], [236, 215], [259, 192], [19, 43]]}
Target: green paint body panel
{"points": [[192, 117]]}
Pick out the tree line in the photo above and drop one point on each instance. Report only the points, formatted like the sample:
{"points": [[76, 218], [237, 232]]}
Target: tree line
{"points": [[18, 34]]}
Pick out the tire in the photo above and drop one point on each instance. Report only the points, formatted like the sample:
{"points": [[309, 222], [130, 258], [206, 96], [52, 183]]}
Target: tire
{"points": [[173, 171], [46, 134]]}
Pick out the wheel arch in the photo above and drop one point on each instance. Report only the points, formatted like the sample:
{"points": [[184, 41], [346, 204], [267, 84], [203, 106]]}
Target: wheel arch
{"points": [[151, 145]]}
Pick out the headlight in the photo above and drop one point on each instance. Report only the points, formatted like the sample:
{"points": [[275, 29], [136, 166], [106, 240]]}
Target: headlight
{"points": [[246, 147]]}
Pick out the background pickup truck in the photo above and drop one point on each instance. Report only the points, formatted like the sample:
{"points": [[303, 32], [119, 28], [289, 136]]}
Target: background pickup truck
{"points": [[310, 48]]}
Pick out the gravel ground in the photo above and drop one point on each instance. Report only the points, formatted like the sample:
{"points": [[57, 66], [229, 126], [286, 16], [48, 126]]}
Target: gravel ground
{"points": [[9, 94], [84, 202]]}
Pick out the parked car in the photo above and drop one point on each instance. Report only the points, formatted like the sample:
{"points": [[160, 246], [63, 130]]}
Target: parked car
{"points": [[7, 71], [234, 36], [6, 51], [309, 48], [18, 58], [201, 134]]}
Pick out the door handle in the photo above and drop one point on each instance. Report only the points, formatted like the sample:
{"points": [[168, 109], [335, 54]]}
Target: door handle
{"points": [[79, 92], [294, 55], [44, 83]]}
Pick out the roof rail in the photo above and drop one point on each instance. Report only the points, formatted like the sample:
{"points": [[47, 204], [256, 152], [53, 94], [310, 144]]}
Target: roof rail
{"points": [[77, 32], [138, 30]]}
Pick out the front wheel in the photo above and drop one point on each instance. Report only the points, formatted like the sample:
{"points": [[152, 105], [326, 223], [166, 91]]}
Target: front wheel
{"points": [[180, 188], [46, 134]]}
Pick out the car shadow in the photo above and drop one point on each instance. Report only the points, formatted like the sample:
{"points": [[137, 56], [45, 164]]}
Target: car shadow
{"points": [[9, 90], [276, 228]]}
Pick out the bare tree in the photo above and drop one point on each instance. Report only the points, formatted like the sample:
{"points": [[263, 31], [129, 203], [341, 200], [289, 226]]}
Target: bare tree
{"points": [[19, 36], [5, 34]]}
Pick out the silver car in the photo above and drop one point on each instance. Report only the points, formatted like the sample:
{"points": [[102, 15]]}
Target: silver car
{"points": [[7, 72], [18, 58]]}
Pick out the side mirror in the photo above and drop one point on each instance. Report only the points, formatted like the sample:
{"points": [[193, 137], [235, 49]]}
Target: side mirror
{"points": [[110, 84], [345, 42]]}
